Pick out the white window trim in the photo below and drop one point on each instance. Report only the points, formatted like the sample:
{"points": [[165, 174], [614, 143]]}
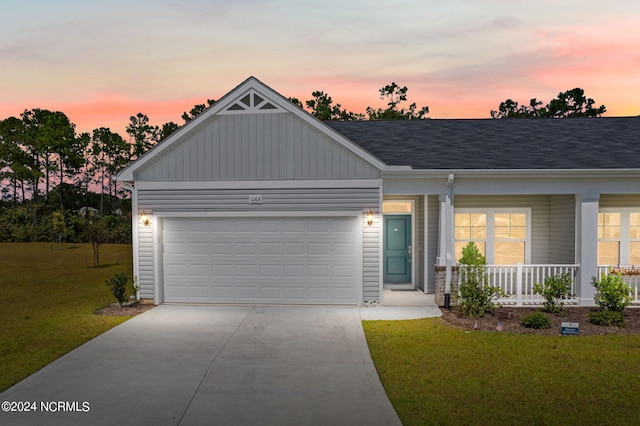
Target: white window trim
{"points": [[490, 238], [625, 237]]}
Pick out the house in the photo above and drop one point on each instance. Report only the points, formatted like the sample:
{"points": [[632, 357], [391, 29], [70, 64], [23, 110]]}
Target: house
{"points": [[256, 201]]}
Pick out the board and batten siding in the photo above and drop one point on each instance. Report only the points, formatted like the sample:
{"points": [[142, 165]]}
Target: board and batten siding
{"points": [[316, 200], [257, 146], [545, 249]]}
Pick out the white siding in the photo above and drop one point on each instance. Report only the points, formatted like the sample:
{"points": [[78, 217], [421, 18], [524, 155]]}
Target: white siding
{"points": [[193, 202], [145, 262], [257, 146]]}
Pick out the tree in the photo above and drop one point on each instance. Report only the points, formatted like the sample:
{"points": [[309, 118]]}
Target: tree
{"points": [[322, 108], [15, 164], [569, 104], [167, 130], [109, 154], [96, 232], [53, 141], [197, 110], [59, 225], [297, 102], [395, 95], [144, 135]]}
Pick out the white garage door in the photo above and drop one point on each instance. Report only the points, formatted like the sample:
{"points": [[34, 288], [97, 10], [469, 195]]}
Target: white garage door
{"points": [[262, 260]]}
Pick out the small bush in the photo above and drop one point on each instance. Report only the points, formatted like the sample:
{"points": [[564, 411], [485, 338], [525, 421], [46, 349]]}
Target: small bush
{"points": [[118, 285], [554, 290], [536, 320], [605, 317], [612, 293], [475, 296]]}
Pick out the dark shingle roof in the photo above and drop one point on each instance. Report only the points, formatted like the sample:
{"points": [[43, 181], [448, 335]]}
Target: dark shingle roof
{"points": [[576, 143]]}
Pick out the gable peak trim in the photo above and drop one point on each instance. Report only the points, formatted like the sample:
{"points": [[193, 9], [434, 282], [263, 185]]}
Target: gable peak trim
{"points": [[251, 102]]}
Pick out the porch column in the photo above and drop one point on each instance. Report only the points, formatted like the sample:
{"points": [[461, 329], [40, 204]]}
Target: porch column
{"points": [[443, 268], [587, 206], [445, 229]]}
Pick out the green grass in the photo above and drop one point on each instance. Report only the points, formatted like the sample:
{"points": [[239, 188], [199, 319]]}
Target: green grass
{"points": [[437, 374], [47, 297]]}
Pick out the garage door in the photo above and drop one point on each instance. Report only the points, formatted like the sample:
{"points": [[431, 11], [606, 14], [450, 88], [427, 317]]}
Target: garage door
{"points": [[268, 260]]}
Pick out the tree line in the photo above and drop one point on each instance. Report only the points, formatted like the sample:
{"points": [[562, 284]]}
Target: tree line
{"points": [[47, 167]]}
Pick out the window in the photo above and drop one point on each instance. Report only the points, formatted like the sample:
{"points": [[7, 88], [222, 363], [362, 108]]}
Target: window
{"points": [[470, 227], [634, 238], [500, 234], [510, 233], [619, 237], [608, 238]]}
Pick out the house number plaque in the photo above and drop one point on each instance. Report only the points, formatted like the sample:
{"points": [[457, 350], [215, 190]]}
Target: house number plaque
{"points": [[255, 199]]}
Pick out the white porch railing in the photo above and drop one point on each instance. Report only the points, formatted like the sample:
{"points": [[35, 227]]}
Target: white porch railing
{"points": [[632, 277], [517, 281]]}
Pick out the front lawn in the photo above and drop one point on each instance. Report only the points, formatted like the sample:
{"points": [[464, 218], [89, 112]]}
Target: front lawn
{"points": [[48, 294], [435, 373]]}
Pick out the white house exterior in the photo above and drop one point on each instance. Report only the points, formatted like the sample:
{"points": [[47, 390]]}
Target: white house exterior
{"points": [[256, 201]]}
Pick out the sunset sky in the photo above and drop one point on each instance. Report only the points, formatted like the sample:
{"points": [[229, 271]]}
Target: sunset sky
{"points": [[100, 62]]}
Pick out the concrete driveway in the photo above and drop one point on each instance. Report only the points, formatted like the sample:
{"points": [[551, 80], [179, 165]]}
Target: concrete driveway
{"points": [[213, 365]]}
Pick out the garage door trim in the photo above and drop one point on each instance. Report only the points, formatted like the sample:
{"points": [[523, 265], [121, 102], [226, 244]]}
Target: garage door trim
{"points": [[159, 244]]}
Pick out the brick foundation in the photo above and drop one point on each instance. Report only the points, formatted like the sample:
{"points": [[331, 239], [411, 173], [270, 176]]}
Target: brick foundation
{"points": [[441, 283]]}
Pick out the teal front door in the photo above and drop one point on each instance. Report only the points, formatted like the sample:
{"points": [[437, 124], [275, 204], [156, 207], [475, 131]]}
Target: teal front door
{"points": [[397, 249]]}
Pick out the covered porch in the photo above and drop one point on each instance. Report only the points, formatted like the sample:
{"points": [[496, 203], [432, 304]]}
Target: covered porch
{"points": [[525, 238]]}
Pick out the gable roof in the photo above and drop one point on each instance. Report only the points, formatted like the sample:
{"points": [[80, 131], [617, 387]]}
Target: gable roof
{"points": [[576, 143], [249, 97]]}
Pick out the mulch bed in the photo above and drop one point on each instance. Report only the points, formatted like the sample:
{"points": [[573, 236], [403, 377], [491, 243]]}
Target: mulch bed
{"points": [[509, 319], [128, 310]]}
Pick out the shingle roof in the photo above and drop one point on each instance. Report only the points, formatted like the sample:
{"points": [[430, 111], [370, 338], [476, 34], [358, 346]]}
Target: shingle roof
{"points": [[576, 143]]}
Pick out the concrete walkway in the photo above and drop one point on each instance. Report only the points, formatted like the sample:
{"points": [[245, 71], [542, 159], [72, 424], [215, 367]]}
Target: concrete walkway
{"points": [[205, 365], [402, 305]]}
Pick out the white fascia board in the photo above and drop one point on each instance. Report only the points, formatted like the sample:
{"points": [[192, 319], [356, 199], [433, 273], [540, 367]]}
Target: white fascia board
{"points": [[511, 173], [259, 184]]}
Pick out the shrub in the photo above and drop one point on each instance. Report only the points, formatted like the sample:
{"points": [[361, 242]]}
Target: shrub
{"points": [[475, 296], [118, 285], [605, 317], [536, 320], [612, 293], [554, 289]]}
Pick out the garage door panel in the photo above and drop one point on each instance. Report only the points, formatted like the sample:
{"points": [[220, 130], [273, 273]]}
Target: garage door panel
{"points": [[272, 260]]}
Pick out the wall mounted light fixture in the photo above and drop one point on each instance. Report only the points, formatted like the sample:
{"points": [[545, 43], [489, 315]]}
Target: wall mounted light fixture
{"points": [[145, 219], [370, 218]]}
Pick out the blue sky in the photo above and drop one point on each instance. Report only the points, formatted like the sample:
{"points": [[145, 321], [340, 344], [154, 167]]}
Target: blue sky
{"points": [[100, 62]]}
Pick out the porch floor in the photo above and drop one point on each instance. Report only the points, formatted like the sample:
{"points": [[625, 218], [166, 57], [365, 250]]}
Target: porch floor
{"points": [[402, 305], [407, 298]]}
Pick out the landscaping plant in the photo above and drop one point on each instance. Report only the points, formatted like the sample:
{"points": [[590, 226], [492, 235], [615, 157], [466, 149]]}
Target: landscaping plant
{"points": [[606, 318], [554, 290], [612, 296], [475, 296], [536, 320], [118, 285]]}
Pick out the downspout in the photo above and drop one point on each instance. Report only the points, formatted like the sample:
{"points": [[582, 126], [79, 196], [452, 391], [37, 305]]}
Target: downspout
{"points": [[448, 255]]}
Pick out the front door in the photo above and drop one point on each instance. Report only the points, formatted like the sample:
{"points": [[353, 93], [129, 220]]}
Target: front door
{"points": [[397, 249]]}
